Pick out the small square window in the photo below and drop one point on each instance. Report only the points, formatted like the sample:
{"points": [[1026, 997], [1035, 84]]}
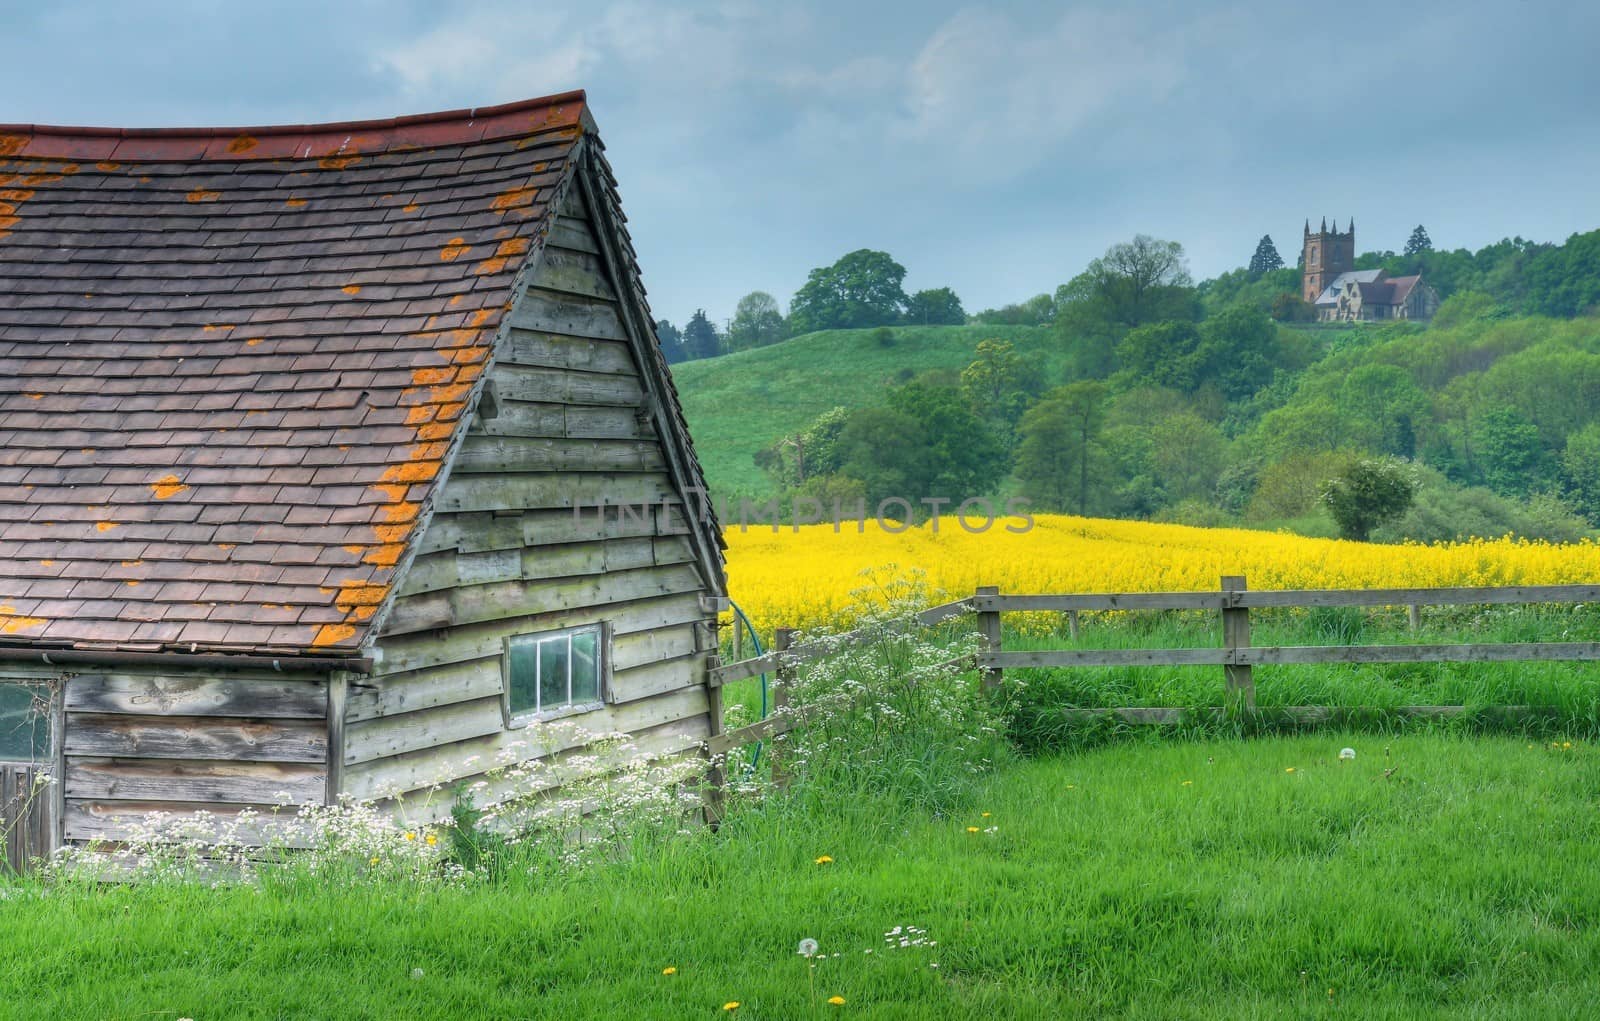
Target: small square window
{"points": [[554, 673]]}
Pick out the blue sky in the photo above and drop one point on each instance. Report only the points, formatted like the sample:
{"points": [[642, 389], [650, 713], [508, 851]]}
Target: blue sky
{"points": [[994, 148]]}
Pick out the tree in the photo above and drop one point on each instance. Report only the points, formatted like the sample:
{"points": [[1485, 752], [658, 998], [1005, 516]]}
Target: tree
{"points": [[1161, 354], [1580, 467], [1266, 258], [700, 338], [938, 307], [1419, 241], [1061, 450], [1368, 493], [1138, 282], [671, 340], [1238, 351], [1508, 451], [757, 321], [1039, 310], [999, 385], [925, 443], [861, 290]]}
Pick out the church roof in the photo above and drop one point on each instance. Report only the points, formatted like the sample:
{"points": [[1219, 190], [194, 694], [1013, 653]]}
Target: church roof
{"points": [[233, 363], [1330, 294]]}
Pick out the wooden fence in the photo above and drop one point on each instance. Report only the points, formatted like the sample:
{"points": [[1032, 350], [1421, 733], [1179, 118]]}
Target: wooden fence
{"points": [[1236, 655]]}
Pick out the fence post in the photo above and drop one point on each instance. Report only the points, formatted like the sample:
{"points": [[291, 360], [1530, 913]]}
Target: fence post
{"points": [[716, 769], [1239, 687], [1072, 624], [1414, 616], [989, 624], [781, 640]]}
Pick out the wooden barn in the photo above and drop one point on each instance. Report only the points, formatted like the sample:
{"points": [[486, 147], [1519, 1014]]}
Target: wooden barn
{"points": [[331, 458]]}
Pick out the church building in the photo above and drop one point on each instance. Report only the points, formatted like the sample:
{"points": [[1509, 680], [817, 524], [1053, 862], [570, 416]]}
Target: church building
{"points": [[1342, 293]]}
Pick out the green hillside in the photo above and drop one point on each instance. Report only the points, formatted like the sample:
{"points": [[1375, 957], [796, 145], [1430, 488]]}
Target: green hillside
{"points": [[739, 403]]}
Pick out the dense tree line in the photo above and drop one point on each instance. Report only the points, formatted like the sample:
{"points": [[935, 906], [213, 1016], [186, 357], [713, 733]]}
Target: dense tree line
{"points": [[1209, 403]]}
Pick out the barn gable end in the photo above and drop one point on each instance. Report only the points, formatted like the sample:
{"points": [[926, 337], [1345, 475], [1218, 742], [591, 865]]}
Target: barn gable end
{"points": [[573, 500]]}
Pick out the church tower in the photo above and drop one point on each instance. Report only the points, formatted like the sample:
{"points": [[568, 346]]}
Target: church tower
{"points": [[1326, 255]]}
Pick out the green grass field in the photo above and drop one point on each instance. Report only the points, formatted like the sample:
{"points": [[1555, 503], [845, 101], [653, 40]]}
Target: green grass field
{"points": [[1433, 876], [741, 402]]}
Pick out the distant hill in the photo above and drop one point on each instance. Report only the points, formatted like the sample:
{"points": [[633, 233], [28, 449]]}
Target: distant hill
{"points": [[739, 403]]}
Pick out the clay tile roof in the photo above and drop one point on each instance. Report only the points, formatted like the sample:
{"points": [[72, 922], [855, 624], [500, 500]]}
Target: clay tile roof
{"points": [[232, 362], [1402, 287]]}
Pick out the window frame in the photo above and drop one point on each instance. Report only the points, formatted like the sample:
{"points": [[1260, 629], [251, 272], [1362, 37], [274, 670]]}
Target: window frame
{"points": [[517, 718]]}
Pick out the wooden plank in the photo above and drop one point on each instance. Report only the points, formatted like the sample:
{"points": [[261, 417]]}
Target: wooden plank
{"points": [[1104, 657], [643, 647], [453, 607], [558, 351], [567, 386], [554, 491], [761, 730], [552, 312], [99, 778], [88, 820], [196, 737], [177, 695], [424, 689], [665, 741], [570, 272], [477, 532], [535, 420], [1472, 596], [428, 728], [338, 701], [571, 233], [1503, 653], [1101, 601], [408, 652], [660, 677], [387, 777], [528, 454]]}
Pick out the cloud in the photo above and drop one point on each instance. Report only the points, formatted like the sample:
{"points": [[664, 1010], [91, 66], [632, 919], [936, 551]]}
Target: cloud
{"points": [[985, 81]]}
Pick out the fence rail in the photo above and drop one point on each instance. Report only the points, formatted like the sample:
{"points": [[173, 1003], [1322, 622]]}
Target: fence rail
{"points": [[1233, 600]]}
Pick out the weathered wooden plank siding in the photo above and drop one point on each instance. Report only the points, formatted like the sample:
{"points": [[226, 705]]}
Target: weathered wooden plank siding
{"points": [[518, 544], [134, 743]]}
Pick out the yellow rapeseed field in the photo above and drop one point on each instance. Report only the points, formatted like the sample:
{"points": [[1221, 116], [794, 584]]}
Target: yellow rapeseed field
{"points": [[814, 575]]}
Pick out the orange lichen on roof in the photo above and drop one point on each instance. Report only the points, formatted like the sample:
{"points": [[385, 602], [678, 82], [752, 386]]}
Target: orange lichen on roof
{"points": [[203, 195], [338, 162], [294, 203], [253, 341], [11, 621], [503, 254], [410, 207], [351, 289], [105, 526], [10, 145], [244, 143], [454, 249], [332, 634], [215, 327], [167, 487], [515, 198], [429, 376], [107, 166]]}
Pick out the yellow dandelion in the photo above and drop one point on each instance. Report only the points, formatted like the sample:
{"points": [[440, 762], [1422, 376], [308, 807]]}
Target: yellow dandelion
{"points": [[373, 862], [1187, 783], [731, 1005], [824, 860], [1289, 770], [986, 815], [1566, 744], [669, 970], [411, 835], [433, 839], [972, 829], [837, 1001]]}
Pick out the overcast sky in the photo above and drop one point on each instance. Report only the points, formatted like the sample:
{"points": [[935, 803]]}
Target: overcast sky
{"points": [[994, 148]]}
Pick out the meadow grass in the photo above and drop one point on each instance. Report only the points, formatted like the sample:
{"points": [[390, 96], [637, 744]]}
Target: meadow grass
{"points": [[1433, 876], [741, 402]]}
